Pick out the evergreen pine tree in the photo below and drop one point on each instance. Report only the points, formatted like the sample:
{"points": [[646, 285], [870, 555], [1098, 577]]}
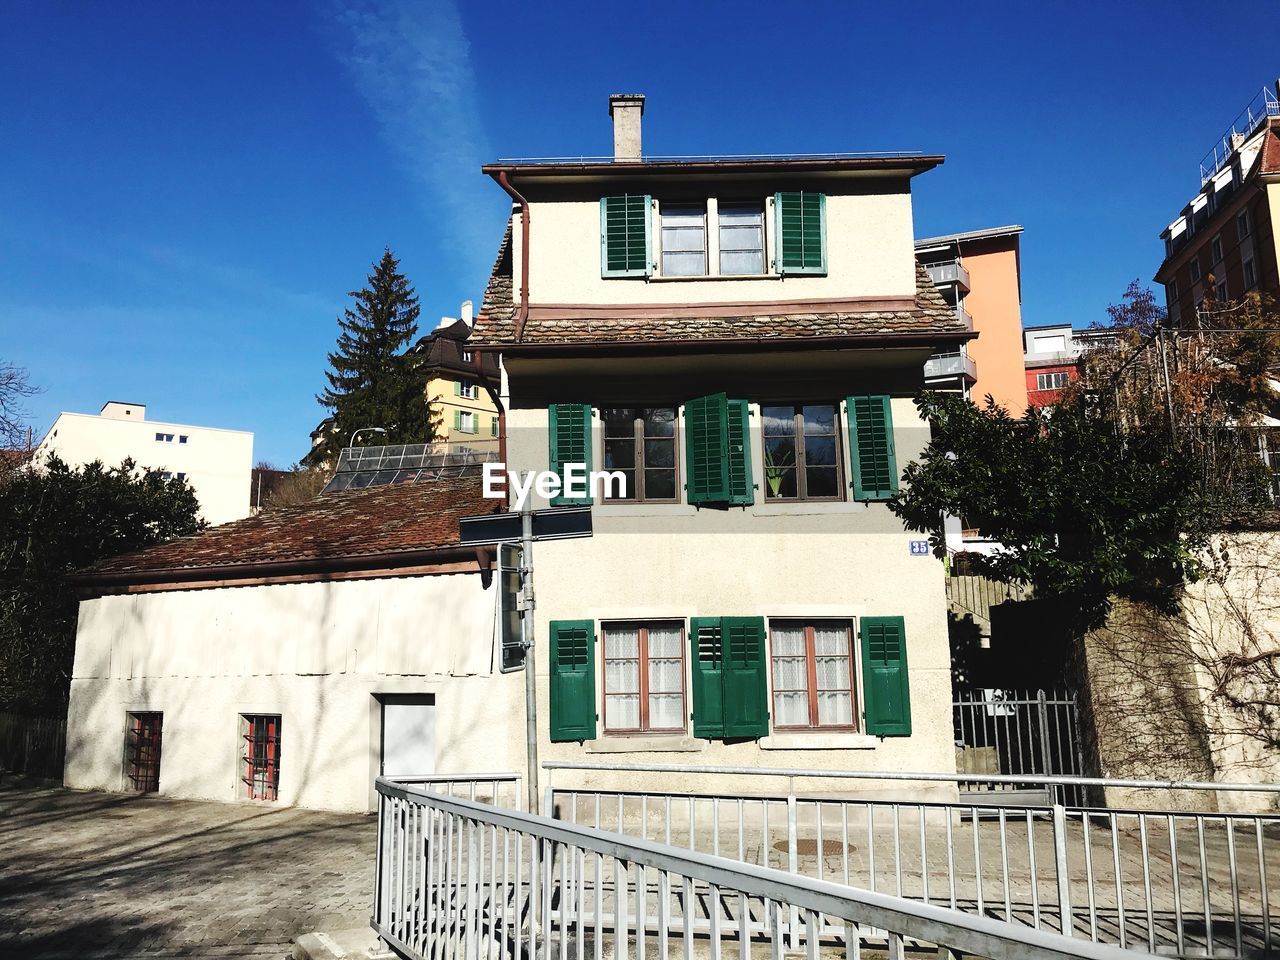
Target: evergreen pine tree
{"points": [[372, 383]]}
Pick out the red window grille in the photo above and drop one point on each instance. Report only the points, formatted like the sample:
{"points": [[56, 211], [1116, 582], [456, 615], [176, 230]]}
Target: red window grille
{"points": [[262, 757], [142, 751]]}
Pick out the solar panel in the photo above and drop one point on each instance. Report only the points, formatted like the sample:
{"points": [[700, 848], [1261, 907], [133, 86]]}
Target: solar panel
{"points": [[360, 467]]}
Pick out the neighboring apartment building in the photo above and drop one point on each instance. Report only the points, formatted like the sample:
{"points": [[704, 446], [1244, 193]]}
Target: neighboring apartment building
{"points": [[216, 462], [458, 405], [980, 273], [1052, 358], [1223, 245], [742, 339]]}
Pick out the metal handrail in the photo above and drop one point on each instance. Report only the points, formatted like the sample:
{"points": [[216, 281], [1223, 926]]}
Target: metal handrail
{"points": [[969, 933], [1038, 780]]}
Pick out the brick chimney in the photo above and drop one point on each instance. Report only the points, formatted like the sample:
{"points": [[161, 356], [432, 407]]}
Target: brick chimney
{"points": [[626, 109]]}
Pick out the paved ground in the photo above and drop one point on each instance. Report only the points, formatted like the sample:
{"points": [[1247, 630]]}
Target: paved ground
{"points": [[95, 875]]}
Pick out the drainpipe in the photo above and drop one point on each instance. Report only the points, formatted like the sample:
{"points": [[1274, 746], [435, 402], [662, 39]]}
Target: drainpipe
{"points": [[522, 311]]}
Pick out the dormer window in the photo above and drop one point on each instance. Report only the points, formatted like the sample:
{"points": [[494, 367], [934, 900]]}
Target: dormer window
{"points": [[684, 240]]}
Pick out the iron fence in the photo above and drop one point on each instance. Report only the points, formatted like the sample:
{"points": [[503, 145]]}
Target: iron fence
{"points": [[1177, 883], [35, 746], [1019, 732], [461, 879]]}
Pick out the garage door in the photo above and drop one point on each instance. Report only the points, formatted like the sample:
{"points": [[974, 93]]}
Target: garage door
{"points": [[408, 736]]}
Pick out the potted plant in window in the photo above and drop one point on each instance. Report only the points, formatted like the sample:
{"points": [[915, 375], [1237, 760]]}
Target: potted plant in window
{"points": [[776, 464]]}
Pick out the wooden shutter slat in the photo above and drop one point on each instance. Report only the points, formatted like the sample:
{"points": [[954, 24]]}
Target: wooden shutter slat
{"points": [[801, 225], [624, 235], [886, 692], [573, 680], [569, 441], [707, 658], [871, 449], [746, 710], [741, 486], [706, 438]]}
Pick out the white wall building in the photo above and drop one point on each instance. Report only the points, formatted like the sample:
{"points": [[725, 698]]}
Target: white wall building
{"points": [[216, 462]]}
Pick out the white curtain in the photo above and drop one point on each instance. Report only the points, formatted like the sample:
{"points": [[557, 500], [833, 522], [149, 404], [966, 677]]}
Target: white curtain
{"points": [[790, 676], [622, 678], [666, 678], [832, 656]]}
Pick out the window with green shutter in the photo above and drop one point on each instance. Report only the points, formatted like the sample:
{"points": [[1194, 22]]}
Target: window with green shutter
{"points": [[885, 691], [717, 451], [569, 438], [875, 465], [573, 680], [625, 246], [801, 223], [741, 489], [730, 688]]}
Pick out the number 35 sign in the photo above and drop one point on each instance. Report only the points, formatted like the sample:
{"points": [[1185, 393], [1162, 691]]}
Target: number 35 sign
{"points": [[920, 548]]}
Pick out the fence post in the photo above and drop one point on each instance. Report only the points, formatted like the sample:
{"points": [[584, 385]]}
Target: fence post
{"points": [[793, 860], [1044, 742], [1067, 923]]}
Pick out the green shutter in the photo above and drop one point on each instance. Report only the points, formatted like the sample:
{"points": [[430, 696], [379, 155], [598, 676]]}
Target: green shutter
{"points": [[625, 245], [875, 465], [707, 655], [706, 444], [746, 697], [885, 690], [457, 388], [457, 419], [741, 490], [569, 433], [573, 680], [801, 223], [493, 426]]}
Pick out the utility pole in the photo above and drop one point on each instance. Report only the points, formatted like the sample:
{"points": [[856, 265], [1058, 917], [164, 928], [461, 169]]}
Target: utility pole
{"points": [[526, 640]]}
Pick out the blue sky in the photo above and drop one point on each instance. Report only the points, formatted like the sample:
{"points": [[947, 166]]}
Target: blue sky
{"points": [[187, 191]]}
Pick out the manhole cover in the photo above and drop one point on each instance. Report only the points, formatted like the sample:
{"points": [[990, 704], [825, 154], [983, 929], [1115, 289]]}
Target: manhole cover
{"points": [[809, 848]]}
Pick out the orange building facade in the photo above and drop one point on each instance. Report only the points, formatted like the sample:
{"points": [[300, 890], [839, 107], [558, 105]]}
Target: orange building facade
{"points": [[980, 273]]}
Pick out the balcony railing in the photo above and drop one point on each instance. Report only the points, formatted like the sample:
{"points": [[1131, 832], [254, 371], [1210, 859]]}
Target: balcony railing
{"points": [[951, 272], [955, 364]]}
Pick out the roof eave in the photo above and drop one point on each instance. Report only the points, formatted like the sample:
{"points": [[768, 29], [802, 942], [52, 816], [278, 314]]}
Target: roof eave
{"points": [[907, 165], [658, 347]]}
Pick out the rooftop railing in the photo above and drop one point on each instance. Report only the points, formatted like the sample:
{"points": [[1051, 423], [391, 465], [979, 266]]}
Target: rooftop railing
{"points": [[1264, 105]]}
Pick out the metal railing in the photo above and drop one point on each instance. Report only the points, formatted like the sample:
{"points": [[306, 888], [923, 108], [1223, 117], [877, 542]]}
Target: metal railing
{"points": [[1263, 105], [953, 364], [949, 271], [1184, 884], [497, 789], [469, 880], [1019, 732]]}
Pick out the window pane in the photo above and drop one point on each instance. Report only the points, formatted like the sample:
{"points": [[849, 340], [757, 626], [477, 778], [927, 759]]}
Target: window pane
{"points": [[737, 263], [778, 421], [819, 418], [624, 712], [683, 264], [819, 451], [821, 482], [790, 675], [659, 453], [659, 421], [665, 641], [682, 215], [619, 454], [683, 239], [665, 711], [622, 643], [835, 710], [628, 491], [660, 484], [619, 421]]}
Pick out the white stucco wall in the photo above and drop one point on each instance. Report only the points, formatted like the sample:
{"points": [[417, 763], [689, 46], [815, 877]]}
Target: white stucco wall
{"points": [[217, 463], [870, 253], [315, 653], [828, 560]]}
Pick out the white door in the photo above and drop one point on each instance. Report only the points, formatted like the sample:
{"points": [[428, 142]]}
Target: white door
{"points": [[408, 736]]}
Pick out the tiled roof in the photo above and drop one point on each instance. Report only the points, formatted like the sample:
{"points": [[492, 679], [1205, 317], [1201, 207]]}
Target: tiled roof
{"points": [[1271, 148], [376, 522], [495, 324]]}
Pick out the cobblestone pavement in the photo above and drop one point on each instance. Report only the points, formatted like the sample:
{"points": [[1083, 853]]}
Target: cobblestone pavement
{"points": [[96, 875]]}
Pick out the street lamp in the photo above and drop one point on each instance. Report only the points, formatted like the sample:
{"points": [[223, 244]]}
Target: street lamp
{"points": [[366, 430]]}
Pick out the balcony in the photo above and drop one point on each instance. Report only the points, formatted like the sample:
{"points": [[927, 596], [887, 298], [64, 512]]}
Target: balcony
{"points": [[950, 273], [964, 315], [947, 366]]}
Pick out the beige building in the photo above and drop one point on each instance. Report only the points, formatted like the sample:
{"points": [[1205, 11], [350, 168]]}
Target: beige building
{"points": [[459, 407], [217, 463], [741, 339], [740, 342]]}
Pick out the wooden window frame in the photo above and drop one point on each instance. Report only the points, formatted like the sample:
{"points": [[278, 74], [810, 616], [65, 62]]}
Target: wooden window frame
{"points": [[143, 780], [764, 236], [802, 482], [250, 762], [642, 645], [811, 666], [706, 240], [638, 438]]}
